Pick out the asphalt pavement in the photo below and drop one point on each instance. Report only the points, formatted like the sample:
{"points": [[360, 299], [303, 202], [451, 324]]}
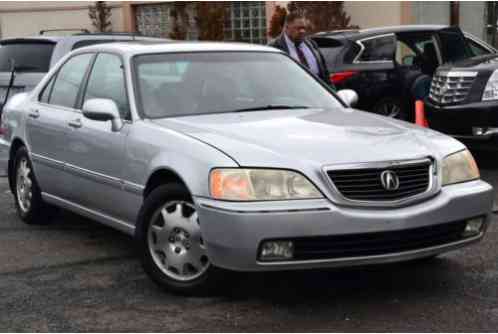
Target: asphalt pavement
{"points": [[76, 275]]}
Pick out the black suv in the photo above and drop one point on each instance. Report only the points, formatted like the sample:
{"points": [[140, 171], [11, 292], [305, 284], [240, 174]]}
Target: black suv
{"points": [[388, 67]]}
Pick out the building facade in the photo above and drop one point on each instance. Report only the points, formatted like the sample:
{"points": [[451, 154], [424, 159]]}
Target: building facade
{"points": [[246, 21]]}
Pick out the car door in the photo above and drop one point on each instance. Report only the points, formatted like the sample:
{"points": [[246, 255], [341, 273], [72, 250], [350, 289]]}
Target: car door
{"points": [[48, 123], [376, 79], [453, 45], [95, 153]]}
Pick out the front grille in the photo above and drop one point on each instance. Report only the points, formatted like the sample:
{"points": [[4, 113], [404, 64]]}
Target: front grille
{"points": [[451, 87], [365, 184], [377, 243]]}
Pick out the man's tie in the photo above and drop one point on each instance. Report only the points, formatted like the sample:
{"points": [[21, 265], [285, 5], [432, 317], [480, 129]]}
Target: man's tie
{"points": [[301, 56]]}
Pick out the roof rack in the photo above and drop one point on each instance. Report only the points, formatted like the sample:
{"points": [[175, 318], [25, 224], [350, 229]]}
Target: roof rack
{"points": [[85, 31], [117, 33]]}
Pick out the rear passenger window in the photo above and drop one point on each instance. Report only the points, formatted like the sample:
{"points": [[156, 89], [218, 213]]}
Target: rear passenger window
{"points": [[378, 49], [107, 82], [68, 81]]}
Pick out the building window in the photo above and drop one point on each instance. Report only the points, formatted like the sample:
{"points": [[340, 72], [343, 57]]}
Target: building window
{"points": [[154, 20], [246, 22]]}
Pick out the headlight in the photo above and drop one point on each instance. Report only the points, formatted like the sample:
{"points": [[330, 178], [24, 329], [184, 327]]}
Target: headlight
{"points": [[491, 90], [237, 184], [459, 167]]}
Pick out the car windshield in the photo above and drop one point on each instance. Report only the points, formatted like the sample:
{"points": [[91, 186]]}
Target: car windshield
{"points": [[217, 82], [32, 56]]}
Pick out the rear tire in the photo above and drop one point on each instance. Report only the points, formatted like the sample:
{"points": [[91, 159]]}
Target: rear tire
{"points": [[27, 194], [170, 243]]}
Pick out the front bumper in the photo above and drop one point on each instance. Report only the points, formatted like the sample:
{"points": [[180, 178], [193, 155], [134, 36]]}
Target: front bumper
{"points": [[233, 232], [458, 120]]}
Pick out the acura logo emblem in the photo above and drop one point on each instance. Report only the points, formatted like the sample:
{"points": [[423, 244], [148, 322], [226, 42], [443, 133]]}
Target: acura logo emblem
{"points": [[389, 180]]}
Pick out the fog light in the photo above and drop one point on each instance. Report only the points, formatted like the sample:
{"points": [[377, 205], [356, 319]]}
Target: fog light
{"points": [[473, 227], [276, 250]]}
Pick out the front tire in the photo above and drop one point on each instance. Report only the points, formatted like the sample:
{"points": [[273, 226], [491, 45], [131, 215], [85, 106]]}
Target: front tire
{"points": [[29, 204], [170, 243]]}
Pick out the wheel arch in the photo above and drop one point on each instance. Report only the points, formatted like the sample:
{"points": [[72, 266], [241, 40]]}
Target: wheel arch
{"points": [[14, 147], [163, 175]]}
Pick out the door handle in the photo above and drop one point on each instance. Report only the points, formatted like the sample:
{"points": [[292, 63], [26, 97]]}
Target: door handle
{"points": [[34, 114], [76, 124]]}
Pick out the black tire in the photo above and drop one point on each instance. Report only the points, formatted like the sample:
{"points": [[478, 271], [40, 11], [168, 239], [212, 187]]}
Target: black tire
{"points": [[210, 279], [391, 107], [38, 211]]}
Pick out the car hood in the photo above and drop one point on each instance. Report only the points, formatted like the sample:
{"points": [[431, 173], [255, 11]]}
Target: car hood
{"points": [[288, 138]]}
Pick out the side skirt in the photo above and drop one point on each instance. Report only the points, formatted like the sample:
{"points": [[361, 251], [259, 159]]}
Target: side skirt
{"points": [[94, 215]]}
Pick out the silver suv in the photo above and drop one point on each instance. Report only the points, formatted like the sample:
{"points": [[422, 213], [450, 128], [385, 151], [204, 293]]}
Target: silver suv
{"points": [[24, 61], [224, 157]]}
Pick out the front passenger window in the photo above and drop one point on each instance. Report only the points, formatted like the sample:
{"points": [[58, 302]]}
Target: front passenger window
{"points": [[107, 82], [68, 81]]}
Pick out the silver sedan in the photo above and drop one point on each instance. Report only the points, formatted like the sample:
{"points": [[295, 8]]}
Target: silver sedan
{"points": [[231, 157]]}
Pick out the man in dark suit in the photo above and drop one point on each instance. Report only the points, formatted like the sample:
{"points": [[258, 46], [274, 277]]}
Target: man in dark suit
{"points": [[293, 41]]}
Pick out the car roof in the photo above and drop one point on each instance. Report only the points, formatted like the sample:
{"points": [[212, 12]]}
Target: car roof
{"points": [[356, 34], [149, 47]]}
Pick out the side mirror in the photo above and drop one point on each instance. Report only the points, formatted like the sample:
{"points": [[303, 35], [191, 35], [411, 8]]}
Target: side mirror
{"points": [[103, 110], [348, 96]]}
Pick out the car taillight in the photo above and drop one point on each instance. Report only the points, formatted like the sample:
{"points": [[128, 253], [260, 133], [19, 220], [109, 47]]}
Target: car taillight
{"points": [[339, 77]]}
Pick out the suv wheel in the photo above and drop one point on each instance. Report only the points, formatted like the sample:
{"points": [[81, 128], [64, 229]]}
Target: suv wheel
{"points": [[390, 107], [29, 203], [171, 246]]}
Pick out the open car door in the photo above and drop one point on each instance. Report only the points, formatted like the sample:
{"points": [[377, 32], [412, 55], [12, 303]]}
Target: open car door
{"points": [[452, 45]]}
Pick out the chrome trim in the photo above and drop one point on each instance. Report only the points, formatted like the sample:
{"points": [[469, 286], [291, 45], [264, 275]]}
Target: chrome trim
{"points": [[92, 214], [457, 74], [47, 161], [94, 176], [90, 175], [133, 188], [338, 198], [360, 43], [381, 258], [207, 206]]}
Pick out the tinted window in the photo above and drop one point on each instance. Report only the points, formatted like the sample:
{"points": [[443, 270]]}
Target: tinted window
{"points": [[351, 54], [378, 49], [477, 49], [68, 81], [34, 57], [201, 83], [453, 46], [107, 82]]}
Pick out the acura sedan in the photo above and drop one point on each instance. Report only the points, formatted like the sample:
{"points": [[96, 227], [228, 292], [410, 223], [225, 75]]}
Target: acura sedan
{"points": [[230, 157]]}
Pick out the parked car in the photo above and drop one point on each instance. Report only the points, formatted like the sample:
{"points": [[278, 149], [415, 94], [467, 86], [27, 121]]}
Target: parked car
{"points": [[25, 61], [213, 165], [34, 56], [381, 64]]}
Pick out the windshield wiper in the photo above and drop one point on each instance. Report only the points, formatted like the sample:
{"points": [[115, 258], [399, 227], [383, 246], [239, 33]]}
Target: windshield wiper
{"points": [[271, 107]]}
